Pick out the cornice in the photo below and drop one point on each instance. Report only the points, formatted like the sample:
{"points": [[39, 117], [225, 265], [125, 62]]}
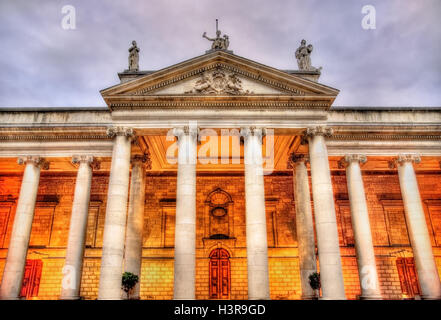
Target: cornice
{"points": [[367, 136], [267, 105], [18, 137], [218, 65]]}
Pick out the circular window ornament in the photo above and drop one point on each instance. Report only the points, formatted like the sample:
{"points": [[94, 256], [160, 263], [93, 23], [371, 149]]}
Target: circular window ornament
{"points": [[218, 212]]}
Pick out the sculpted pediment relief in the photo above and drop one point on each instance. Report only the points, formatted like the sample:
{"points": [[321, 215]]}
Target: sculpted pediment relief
{"points": [[219, 81], [219, 78]]}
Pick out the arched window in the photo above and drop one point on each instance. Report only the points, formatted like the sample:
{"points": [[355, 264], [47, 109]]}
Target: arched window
{"points": [[220, 279]]}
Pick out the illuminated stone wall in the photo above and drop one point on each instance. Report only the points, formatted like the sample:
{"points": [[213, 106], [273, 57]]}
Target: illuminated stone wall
{"points": [[51, 226]]}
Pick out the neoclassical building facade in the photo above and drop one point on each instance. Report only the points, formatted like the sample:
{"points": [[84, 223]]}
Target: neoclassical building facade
{"points": [[220, 178]]}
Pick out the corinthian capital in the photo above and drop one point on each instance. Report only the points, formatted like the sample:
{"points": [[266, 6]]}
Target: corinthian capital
{"points": [[252, 131], [89, 160], [316, 131], [142, 160], [347, 159], [295, 158], [35, 160], [404, 158], [319, 131], [186, 130], [120, 131]]}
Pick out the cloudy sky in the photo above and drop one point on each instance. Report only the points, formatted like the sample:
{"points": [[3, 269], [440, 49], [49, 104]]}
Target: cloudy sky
{"points": [[43, 65]]}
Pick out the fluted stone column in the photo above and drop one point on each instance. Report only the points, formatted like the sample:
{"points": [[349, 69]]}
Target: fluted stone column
{"points": [[135, 219], [331, 274], [367, 268], [416, 223], [21, 230], [304, 223], [185, 230], [73, 266], [257, 246], [115, 220]]}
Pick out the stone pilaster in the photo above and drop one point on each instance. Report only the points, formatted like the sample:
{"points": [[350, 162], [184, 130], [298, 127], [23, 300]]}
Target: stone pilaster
{"points": [[135, 219], [70, 285], [21, 230], [304, 223], [416, 223], [185, 231], [367, 268], [256, 235], [115, 220], [331, 274]]}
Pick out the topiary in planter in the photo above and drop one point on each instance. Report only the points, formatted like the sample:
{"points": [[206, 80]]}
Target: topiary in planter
{"points": [[314, 282], [129, 281]]}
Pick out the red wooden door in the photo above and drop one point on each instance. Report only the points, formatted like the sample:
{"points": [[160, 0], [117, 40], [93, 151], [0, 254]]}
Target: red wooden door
{"points": [[220, 279], [408, 277], [31, 279]]}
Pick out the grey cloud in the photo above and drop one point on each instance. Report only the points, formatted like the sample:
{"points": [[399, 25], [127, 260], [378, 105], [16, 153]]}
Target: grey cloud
{"points": [[396, 64]]}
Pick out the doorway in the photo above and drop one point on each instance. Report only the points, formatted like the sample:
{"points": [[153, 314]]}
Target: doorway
{"points": [[220, 275]]}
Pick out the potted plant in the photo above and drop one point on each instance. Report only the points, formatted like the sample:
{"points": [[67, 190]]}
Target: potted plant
{"points": [[314, 282], [129, 281]]}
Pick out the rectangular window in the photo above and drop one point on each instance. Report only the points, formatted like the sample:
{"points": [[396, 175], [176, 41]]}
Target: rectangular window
{"points": [[395, 222]]}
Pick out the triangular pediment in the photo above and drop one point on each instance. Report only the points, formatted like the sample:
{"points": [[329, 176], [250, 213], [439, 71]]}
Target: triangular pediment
{"points": [[214, 77]]}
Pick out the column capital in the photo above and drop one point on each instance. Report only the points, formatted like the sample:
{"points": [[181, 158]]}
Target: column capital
{"points": [[141, 160], [252, 131], [186, 130], [316, 131], [294, 158], [120, 131], [353, 157], [35, 160], [89, 160], [404, 158]]}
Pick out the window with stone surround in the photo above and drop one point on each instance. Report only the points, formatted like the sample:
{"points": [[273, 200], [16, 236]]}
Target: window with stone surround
{"points": [[95, 224], [218, 215], [43, 221], [344, 222], [395, 219], [432, 208], [7, 209]]}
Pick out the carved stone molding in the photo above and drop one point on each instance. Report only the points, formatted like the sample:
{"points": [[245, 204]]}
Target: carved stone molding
{"points": [[120, 131], [142, 160], [403, 158], [355, 157], [90, 160], [188, 104], [35, 160], [218, 82]]}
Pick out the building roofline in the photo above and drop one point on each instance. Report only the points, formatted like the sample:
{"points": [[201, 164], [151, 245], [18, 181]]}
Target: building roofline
{"points": [[51, 109], [333, 108], [385, 108]]}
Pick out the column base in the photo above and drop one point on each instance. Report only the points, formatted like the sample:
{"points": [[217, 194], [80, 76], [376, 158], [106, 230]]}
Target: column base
{"points": [[11, 298], [370, 297], [70, 298], [430, 297], [331, 298]]}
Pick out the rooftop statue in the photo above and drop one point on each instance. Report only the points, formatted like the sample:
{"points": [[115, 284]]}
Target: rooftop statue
{"points": [[133, 57], [219, 43], [303, 57]]}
